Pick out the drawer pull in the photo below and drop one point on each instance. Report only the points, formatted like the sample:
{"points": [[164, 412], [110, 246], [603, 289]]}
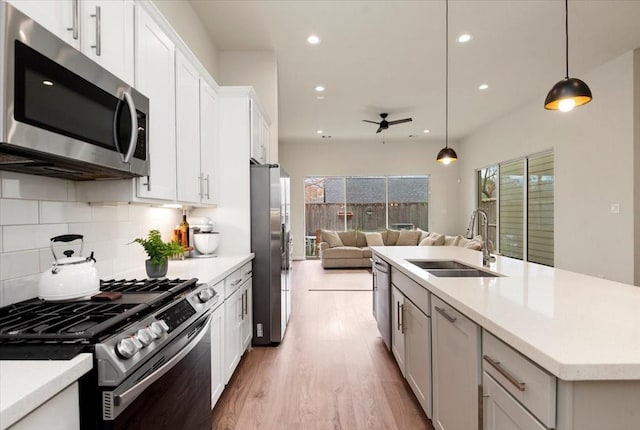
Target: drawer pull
{"points": [[444, 313], [236, 282], [520, 385]]}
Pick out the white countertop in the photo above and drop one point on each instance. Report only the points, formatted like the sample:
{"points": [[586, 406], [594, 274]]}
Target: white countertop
{"points": [[27, 384], [575, 326]]}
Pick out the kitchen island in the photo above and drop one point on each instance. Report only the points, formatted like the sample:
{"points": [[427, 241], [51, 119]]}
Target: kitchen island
{"points": [[582, 333], [43, 391]]}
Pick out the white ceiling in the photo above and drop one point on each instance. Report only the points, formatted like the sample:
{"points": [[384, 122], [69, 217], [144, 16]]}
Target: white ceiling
{"points": [[389, 56]]}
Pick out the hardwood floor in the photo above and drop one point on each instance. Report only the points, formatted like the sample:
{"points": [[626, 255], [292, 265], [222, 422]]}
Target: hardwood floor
{"points": [[332, 371]]}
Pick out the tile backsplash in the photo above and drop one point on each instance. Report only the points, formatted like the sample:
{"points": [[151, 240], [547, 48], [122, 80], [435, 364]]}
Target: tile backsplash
{"points": [[34, 209]]}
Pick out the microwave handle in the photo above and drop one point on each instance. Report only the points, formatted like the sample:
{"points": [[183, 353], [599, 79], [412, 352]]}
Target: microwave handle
{"points": [[134, 127]]}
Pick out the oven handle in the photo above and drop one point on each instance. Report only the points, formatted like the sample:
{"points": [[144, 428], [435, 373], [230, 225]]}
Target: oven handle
{"points": [[132, 393]]}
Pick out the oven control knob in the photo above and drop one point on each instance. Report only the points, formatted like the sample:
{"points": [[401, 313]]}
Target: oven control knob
{"points": [[144, 336], [127, 347], [206, 294], [159, 328]]}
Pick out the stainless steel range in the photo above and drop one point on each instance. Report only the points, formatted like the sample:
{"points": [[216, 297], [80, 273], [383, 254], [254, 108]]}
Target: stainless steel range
{"points": [[151, 348]]}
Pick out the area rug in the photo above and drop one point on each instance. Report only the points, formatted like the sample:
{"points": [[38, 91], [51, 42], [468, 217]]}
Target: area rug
{"points": [[316, 278]]}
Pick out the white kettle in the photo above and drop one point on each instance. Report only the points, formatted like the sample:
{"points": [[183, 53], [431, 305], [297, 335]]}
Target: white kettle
{"points": [[71, 277]]}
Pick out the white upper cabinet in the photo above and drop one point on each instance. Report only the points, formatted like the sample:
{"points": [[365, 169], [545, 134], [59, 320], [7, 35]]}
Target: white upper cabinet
{"points": [[107, 35], [196, 132], [101, 29], [209, 152], [259, 134], [155, 78], [188, 130]]}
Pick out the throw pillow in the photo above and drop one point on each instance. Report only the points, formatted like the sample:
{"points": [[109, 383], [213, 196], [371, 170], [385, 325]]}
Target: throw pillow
{"points": [[473, 244], [361, 239], [408, 238], [438, 239], [423, 234], [451, 240], [348, 238], [331, 237], [374, 239], [392, 237], [427, 241]]}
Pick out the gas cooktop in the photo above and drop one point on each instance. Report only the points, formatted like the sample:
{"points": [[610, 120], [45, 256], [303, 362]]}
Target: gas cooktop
{"points": [[34, 327]]}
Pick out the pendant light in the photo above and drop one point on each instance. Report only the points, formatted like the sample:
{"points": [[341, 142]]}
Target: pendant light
{"points": [[569, 92], [446, 155]]}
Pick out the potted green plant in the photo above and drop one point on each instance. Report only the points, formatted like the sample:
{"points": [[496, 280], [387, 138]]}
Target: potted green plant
{"points": [[158, 253]]}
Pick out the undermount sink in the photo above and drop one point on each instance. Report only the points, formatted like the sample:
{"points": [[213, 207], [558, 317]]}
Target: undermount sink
{"points": [[452, 269], [440, 264]]}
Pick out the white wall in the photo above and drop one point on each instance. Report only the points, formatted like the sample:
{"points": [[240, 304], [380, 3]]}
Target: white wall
{"points": [[185, 21], [34, 209], [258, 69], [588, 238], [333, 158]]}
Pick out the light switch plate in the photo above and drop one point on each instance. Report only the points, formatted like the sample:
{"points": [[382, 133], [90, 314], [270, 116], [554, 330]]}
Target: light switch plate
{"points": [[615, 208]]}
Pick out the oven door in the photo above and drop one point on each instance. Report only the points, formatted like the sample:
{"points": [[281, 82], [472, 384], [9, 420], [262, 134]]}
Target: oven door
{"points": [[171, 391]]}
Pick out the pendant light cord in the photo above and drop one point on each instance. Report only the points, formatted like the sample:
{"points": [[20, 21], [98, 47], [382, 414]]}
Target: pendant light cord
{"points": [[446, 78], [566, 34]]}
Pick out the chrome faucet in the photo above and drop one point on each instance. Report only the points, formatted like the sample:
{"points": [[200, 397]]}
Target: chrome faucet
{"points": [[487, 258]]}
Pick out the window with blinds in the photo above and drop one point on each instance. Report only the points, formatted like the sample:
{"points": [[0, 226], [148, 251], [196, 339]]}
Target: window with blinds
{"points": [[540, 209], [511, 204], [525, 206]]}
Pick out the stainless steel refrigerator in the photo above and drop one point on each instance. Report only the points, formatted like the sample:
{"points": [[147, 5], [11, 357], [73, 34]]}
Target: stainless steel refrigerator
{"points": [[271, 243]]}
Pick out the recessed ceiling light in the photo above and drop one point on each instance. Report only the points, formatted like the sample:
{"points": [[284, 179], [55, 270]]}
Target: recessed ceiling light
{"points": [[47, 83], [483, 87], [320, 97], [319, 88], [464, 38], [313, 39], [426, 131], [319, 131]]}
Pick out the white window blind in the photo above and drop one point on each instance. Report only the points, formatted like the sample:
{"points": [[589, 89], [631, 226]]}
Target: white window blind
{"points": [[511, 201], [540, 209]]}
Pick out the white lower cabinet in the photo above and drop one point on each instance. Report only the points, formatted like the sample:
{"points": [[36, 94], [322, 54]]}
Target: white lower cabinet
{"points": [[417, 343], [456, 368], [411, 345], [232, 323], [61, 412], [246, 325], [238, 317], [397, 331], [218, 379], [502, 412]]}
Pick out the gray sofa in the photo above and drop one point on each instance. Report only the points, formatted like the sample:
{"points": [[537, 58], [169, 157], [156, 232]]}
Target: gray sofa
{"points": [[350, 249]]}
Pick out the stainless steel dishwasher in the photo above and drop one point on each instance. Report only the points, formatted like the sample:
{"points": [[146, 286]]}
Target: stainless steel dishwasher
{"points": [[382, 298]]}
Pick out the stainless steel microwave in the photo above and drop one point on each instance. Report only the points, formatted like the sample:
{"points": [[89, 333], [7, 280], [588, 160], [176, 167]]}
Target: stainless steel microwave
{"points": [[63, 115]]}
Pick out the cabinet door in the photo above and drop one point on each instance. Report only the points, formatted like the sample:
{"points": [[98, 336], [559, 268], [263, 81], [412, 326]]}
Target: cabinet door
{"points": [[456, 368], [155, 78], [502, 412], [417, 343], [247, 324], [217, 355], [62, 17], [256, 132], [397, 331], [209, 144], [232, 321], [189, 187], [264, 142], [107, 35]]}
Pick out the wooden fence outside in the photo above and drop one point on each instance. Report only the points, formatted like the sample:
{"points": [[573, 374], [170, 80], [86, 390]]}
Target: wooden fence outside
{"points": [[365, 217]]}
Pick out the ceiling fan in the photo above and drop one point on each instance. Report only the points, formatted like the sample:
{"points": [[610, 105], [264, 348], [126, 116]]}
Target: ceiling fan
{"points": [[384, 124]]}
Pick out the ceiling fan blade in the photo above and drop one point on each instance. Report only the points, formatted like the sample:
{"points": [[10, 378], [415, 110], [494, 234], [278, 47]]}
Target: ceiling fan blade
{"points": [[400, 121], [380, 129], [372, 122]]}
